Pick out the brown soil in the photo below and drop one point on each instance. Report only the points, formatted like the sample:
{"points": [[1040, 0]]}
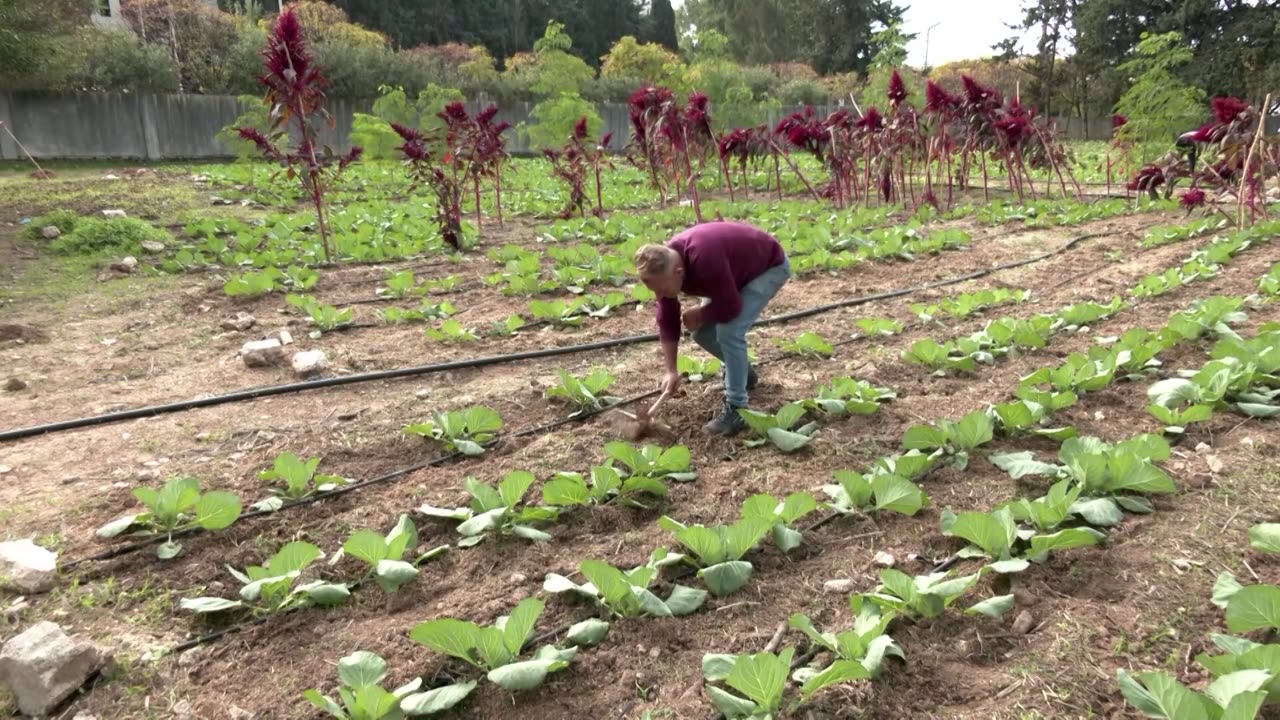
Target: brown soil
{"points": [[1139, 602]]}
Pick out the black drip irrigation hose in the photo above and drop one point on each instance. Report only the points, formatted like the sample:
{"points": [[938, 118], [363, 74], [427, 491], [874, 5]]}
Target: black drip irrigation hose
{"points": [[126, 549], [254, 393]]}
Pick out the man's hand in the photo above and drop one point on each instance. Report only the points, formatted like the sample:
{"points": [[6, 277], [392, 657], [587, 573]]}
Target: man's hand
{"points": [[671, 382], [693, 319]]}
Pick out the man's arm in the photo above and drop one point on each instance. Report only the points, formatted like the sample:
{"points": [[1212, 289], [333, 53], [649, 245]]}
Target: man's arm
{"points": [[669, 334]]}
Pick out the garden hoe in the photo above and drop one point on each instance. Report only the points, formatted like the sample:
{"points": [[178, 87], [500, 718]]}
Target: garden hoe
{"points": [[635, 426]]}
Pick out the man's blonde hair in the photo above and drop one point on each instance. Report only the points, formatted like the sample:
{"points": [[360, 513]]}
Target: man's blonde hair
{"points": [[653, 260]]}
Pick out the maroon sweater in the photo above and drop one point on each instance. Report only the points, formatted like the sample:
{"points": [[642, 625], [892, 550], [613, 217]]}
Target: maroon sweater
{"points": [[719, 259]]}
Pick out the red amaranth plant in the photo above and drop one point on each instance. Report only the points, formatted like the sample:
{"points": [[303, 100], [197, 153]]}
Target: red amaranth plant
{"points": [[295, 92], [666, 138], [489, 151], [746, 146], [447, 179], [1192, 199], [570, 164]]}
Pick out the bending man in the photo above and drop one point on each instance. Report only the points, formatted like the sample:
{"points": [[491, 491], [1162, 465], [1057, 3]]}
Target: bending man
{"points": [[737, 269]]}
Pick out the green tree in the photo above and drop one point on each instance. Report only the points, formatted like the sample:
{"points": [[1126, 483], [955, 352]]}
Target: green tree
{"points": [[647, 62], [661, 25], [891, 54], [36, 41], [558, 71], [1158, 105], [554, 118], [1053, 20]]}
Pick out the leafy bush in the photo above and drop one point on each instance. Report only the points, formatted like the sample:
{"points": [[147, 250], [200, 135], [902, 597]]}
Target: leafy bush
{"points": [[462, 431], [555, 117], [363, 698], [269, 588], [295, 479], [587, 393], [385, 555], [114, 236], [718, 550], [762, 678], [777, 428], [495, 509], [494, 648], [64, 220], [627, 594], [176, 507]]}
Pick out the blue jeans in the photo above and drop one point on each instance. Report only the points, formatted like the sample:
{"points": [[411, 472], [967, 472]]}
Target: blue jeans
{"points": [[728, 340]]}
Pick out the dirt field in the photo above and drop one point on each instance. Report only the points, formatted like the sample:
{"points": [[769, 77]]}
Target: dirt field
{"points": [[1139, 601]]}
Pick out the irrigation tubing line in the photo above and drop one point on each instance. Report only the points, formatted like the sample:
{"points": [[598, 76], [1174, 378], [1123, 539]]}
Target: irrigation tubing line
{"points": [[126, 549], [254, 393]]}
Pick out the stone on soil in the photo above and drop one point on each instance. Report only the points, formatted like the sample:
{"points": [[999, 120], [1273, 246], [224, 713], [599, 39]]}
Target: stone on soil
{"points": [[1024, 623], [114, 214], [152, 246], [241, 322], [15, 385], [284, 337], [44, 666], [842, 585], [125, 265], [27, 566], [262, 353], [309, 362], [50, 232], [884, 559]]}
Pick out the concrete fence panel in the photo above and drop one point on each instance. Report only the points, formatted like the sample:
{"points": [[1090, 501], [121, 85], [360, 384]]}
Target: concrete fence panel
{"points": [[175, 127]]}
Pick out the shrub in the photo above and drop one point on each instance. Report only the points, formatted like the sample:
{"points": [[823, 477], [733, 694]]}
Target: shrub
{"points": [[112, 60], [64, 220], [554, 120], [253, 114], [118, 236], [803, 92]]}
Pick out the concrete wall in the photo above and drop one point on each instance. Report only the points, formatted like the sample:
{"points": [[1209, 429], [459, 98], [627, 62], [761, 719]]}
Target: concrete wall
{"points": [[171, 127]]}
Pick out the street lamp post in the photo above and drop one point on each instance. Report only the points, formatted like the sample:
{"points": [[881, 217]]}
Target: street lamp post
{"points": [[926, 43]]}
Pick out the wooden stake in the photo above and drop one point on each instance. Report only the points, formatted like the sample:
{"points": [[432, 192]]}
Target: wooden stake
{"points": [[43, 175], [1248, 160]]}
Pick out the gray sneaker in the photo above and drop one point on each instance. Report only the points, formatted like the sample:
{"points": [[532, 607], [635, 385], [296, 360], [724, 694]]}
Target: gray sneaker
{"points": [[726, 423]]}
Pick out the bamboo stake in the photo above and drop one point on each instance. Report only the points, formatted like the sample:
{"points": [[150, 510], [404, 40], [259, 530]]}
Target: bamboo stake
{"points": [[1248, 160], [22, 147]]}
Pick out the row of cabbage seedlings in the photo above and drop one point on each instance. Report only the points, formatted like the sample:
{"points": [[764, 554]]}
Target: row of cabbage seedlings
{"points": [[717, 552], [1245, 673], [1009, 335], [1094, 484]]}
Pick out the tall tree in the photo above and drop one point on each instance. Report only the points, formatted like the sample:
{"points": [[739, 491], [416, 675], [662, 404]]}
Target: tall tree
{"points": [[1052, 20], [34, 37], [661, 25]]}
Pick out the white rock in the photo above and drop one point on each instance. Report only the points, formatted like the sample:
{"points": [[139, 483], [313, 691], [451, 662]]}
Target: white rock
{"points": [[517, 579], [192, 657], [284, 337], [422, 394], [111, 176], [84, 716], [1216, 466], [842, 585], [152, 246], [50, 232], [125, 265], [215, 200], [262, 353], [884, 559], [43, 666], [309, 362], [1024, 623], [239, 713], [114, 214], [5, 469], [182, 710], [27, 566], [1203, 448], [241, 322]]}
